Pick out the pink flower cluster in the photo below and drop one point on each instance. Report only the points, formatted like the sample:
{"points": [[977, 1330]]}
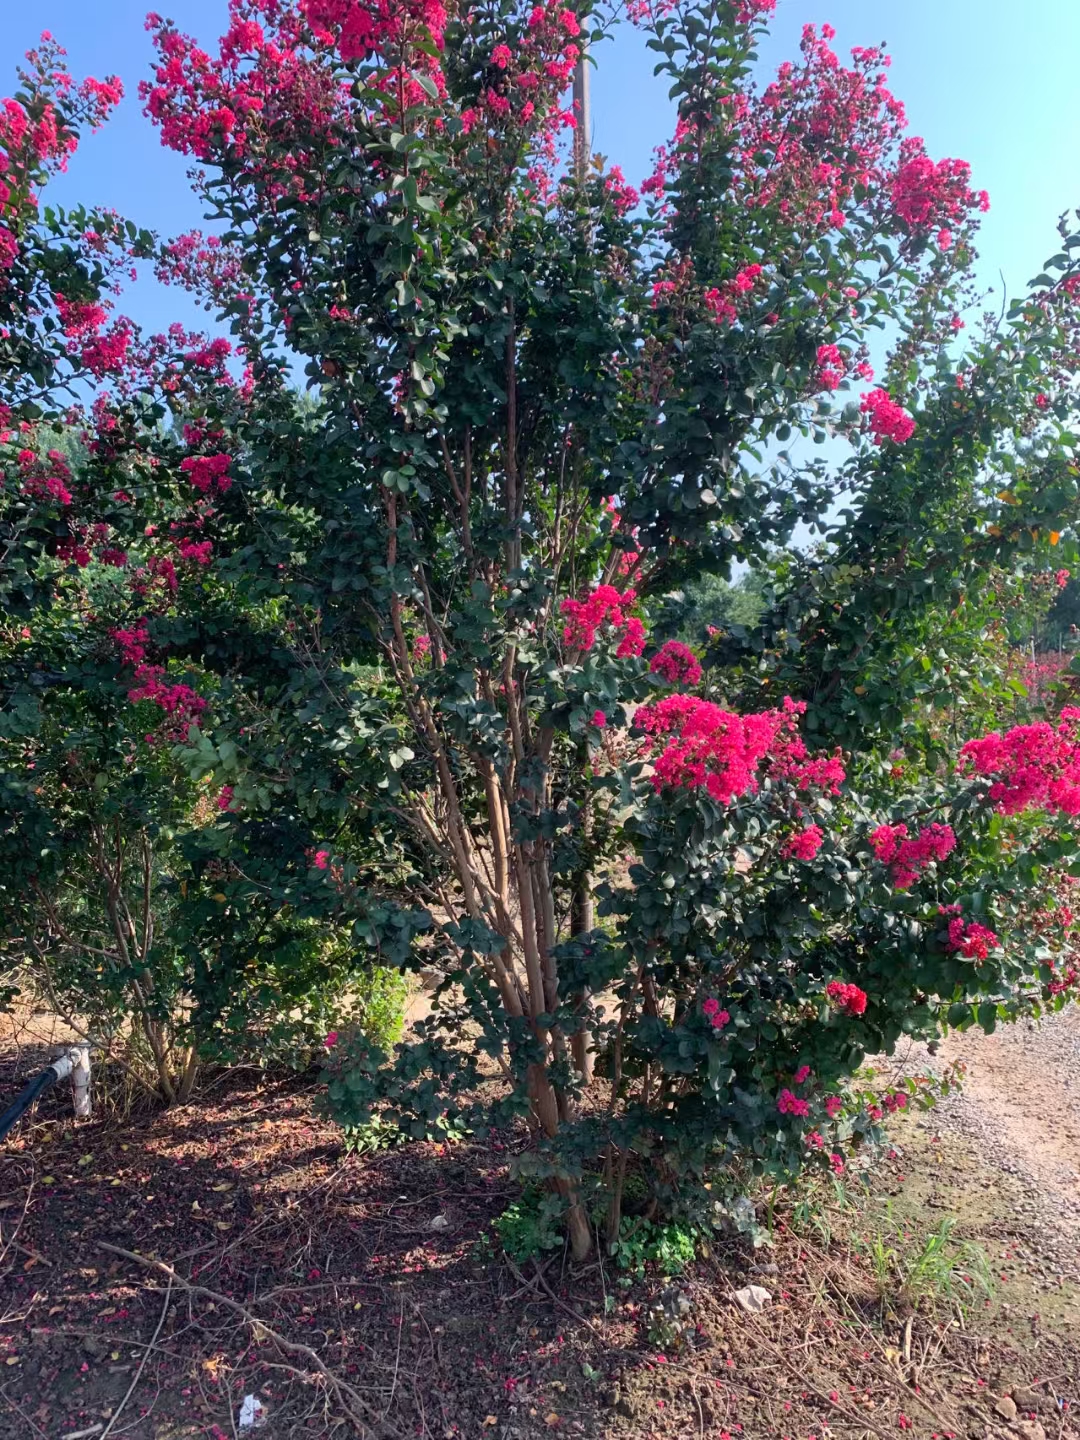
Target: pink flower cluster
{"points": [[817, 134], [722, 303], [1041, 675], [278, 74], [156, 579], [537, 70], [972, 940], [603, 606], [623, 196], [707, 746], [46, 479], [203, 265], [698, 744], [676, 663], [107, 352], [926, 195], [208, 472], [791, 759], [789, 1104], [133, 643], [716, 1017], [823, 139], [208, 354], [1035, 767], [264, 76], [198, 552], [1069, 977], [363, 28], [908, 858], [79, 317], [180, 703], [848, 998], [888, 421], [644, 12], [73, 552], [80, 546], [831, 366], [629, 557], [38, 142], [804, 844]]}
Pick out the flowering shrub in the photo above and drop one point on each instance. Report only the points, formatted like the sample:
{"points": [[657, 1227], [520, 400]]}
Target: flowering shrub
{"points": [[401, 624], [115, 902]]}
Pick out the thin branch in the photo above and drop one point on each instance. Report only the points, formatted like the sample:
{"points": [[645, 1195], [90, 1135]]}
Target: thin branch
{"points": [[353, 1402], [142, 1363]]}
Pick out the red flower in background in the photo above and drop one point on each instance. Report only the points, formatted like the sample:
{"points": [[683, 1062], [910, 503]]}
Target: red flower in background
{"points": [[846, 997]]}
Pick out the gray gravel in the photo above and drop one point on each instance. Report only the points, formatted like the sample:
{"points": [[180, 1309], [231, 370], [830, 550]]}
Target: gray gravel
{"points": [[1019, 1109]]}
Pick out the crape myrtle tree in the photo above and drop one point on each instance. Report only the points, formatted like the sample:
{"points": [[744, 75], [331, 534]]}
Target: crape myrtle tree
{"points": [[672, 913], [105, 880]]}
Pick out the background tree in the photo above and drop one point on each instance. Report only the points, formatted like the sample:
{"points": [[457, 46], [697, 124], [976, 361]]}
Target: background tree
{"points": [[109, 897]]}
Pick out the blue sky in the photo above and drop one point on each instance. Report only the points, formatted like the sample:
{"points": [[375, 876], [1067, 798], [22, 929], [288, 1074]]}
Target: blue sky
{"points": [[977, 84]]}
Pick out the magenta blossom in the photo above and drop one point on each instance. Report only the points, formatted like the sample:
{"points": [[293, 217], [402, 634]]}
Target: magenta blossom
{"points": [[789, 1104], [848, 998], [676, 663], [888, 420]]}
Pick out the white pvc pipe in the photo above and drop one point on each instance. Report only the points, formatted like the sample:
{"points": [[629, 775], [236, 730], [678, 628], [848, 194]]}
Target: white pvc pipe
{"points": [[76, 1063], [64, 1064], [80, 1080]]}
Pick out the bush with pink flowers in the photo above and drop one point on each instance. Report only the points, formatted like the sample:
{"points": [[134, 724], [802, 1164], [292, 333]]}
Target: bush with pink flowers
{"points": [[414, 626]]}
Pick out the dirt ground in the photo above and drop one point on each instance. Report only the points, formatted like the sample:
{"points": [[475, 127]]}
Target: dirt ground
{"points": [[358, 1295]]}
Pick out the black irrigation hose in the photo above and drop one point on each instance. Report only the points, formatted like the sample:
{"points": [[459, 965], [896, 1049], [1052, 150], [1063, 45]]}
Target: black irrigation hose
{"points": [[19, 1107]]}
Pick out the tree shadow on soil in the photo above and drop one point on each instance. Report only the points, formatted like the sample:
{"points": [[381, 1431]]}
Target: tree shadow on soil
{"points": [[327, 1284]]}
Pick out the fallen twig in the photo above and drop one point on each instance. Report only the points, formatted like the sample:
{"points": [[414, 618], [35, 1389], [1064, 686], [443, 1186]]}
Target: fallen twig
{"points": [[397, 1356], [142, 1363], [12, 1243], [834, 1405], [540, 1280], [354, 1403]]}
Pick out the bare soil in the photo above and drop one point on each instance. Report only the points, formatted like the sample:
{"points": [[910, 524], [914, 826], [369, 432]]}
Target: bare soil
{"points": [[320, 1283]]}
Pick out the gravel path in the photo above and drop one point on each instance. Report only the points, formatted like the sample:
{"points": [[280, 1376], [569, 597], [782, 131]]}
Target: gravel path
{"points": [[1020, 1109]]}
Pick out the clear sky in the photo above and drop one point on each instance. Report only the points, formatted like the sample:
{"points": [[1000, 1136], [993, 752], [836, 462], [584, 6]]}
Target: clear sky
{"points": [[978, 82]]}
